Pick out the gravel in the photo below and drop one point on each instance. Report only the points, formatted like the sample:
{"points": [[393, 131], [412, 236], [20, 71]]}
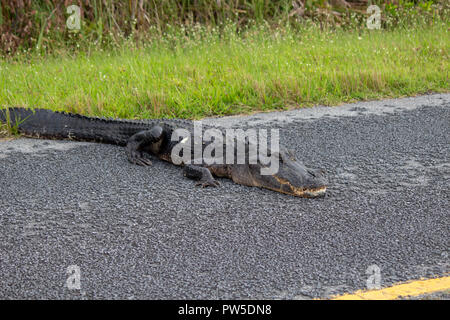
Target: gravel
{"points": [[148, 233]]}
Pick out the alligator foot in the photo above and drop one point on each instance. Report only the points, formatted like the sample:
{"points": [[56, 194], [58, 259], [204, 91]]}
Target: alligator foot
{"points": [[142, 141], [201, 174], [139, 158], [208, 183]]}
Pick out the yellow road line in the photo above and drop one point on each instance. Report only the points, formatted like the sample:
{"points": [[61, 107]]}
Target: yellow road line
{"points": [[413, 288]]}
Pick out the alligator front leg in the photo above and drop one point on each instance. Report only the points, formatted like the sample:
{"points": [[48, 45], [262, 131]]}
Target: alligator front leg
{"points": [[201, 174], [141, 142]]}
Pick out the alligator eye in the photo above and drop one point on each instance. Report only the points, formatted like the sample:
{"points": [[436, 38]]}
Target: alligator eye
{"points": [[275, 154]]}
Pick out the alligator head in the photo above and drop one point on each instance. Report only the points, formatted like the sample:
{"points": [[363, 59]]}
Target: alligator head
{"points": [[292, 177]]}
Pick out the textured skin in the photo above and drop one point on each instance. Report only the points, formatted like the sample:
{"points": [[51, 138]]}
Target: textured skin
{"points": [[44, 123], [148, 138]]}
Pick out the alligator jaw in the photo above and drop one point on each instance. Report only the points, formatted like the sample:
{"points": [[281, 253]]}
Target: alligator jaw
{"points": [[313, 193], [299, 192]]}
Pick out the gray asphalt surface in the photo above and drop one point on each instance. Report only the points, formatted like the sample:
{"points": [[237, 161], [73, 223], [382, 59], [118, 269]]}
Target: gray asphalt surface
{"points": [[148, 233]]}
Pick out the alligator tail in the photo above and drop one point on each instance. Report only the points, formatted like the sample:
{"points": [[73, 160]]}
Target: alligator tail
{"points": [[59, 125]]}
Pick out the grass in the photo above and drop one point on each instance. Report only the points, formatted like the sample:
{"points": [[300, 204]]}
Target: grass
{"points": [[8, 129], [4, 131], [213, 74]]}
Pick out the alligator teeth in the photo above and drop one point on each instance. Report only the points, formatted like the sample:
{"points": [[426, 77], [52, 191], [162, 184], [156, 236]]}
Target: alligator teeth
{"points": [[316, 193]]}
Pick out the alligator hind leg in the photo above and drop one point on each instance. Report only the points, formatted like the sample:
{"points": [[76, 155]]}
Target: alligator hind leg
{"points": [[139, 144], [201, 174]]}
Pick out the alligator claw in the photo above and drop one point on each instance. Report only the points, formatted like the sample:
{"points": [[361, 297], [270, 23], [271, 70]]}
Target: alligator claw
{"points": [[143, 162], [137, 158], [208, 183]]}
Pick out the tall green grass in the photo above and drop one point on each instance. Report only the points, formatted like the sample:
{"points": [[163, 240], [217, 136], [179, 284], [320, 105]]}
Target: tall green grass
{"points": [[40, 25], [210, 73]]}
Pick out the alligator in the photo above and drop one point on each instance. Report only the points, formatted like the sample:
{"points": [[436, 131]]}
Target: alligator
{"points": [[148, 139]]}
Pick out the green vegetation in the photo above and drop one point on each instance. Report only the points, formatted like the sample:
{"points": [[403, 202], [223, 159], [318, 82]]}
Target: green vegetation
{"points": [[219, 73], [4, 131], [40, 25], [208, 58], [8, 128]]}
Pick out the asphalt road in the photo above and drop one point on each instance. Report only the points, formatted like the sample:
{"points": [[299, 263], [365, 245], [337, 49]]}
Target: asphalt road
{"points": [[148, 233]]}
